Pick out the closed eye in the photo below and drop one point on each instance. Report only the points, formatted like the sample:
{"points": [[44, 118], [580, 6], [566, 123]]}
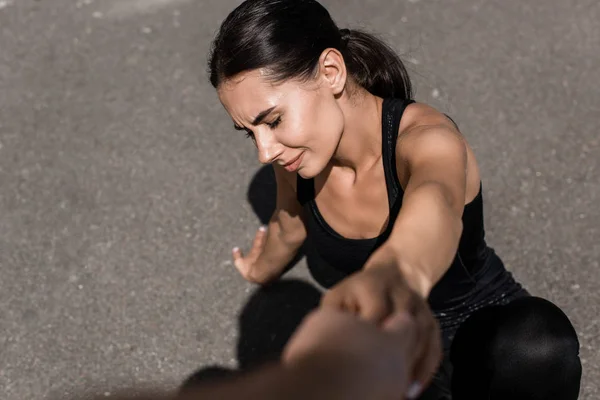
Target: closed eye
{"points": [[249, 133], [275, 123]]}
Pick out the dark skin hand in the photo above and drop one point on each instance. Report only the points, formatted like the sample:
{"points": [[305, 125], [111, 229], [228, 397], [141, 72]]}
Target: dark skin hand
{"points": [[333, 355], [378, 292]]}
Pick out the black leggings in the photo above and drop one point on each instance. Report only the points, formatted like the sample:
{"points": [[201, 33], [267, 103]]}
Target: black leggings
{"points": [[524, 350]]}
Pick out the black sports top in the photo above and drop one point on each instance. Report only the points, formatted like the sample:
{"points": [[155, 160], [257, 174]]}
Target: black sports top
{"points": [[349, 255]]}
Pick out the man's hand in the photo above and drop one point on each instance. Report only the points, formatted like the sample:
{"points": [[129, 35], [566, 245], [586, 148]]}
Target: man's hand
{"points": [[333, 355], [377, 361], [380, 291]]}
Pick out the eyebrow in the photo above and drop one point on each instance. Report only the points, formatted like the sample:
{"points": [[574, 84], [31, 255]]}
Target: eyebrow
{"points": [[257, 120]]}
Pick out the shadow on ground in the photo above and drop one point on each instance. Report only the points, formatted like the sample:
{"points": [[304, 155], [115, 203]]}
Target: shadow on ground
{"points": [[262, 194], [272, 313], [266, 323]]}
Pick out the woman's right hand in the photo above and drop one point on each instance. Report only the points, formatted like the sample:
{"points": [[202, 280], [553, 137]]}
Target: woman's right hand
{"points": [[246, 264]]}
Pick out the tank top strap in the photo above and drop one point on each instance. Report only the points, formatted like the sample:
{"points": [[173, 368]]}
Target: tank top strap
{"points": [[392, 111]]}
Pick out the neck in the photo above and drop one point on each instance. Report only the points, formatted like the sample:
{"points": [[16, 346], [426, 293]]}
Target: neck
{"points": [[360, 145]]}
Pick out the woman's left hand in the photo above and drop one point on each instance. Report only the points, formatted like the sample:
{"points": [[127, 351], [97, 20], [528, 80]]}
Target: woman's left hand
{"points": [[379, 291]]}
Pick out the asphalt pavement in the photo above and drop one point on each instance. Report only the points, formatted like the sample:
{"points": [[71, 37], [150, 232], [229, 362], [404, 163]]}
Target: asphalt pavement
{"points": [[123, 186]]}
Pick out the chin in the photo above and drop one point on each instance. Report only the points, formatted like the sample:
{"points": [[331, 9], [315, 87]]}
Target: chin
{"points": [[303, 174], [309, 171]]}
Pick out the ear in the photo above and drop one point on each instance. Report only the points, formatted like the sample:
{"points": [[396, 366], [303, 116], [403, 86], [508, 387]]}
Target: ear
{"points": [[332, 70]]}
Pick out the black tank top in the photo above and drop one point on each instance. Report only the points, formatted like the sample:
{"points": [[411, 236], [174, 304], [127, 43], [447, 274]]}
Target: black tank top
{"points": [[349, 255]]}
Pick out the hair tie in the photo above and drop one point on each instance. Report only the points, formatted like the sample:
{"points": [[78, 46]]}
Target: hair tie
{"points": [[344, 37]]}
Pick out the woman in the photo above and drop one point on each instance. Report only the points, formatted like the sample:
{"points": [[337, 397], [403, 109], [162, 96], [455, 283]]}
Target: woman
{"points": [[389, 193]]}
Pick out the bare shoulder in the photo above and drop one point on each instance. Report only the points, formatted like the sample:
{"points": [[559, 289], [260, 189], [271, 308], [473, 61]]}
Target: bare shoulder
{"points": [[427, 136], [422, 115], [424, 130]]}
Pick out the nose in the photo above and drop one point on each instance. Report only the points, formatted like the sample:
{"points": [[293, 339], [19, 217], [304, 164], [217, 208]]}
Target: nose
{"points": [[268, 147]]}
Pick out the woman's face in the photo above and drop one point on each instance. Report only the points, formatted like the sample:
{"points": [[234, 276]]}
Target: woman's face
{"points": [[295, 124]]}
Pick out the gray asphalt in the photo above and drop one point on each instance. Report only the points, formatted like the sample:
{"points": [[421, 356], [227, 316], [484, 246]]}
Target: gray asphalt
{"points": [[123, 187]]}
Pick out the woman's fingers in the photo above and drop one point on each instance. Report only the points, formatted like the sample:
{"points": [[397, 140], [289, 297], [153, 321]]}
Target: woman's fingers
{"points": [[432, 359], [237, 254], [242, 262], [334, 298], [425, 367], [376, 308], [429, 348], [259, 242]]}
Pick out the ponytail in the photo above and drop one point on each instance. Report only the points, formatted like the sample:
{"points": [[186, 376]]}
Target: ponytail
{"points": [[374, 65]]}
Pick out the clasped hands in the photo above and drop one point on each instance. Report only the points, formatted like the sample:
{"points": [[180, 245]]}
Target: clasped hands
{"points": [[394, 326]]}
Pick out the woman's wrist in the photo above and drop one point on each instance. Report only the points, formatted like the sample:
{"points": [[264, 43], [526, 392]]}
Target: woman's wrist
{"points": [[393, 256]]}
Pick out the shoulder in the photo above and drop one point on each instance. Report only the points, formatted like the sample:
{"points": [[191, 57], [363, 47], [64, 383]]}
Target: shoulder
{"points": [[421, 115], [425, 134], [424, 126]]}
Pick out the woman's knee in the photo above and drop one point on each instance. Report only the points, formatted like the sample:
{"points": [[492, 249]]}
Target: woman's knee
{"points": [[535, 323], [524, 349]]}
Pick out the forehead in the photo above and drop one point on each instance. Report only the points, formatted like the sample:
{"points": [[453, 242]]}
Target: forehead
{"points": [[248, 93]]}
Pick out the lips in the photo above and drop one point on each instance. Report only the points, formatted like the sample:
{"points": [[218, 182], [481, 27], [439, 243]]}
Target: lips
{"points": [[294, 164]]}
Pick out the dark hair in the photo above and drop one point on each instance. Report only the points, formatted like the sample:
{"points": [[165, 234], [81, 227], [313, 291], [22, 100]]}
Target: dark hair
{"points": [[288, 37]]}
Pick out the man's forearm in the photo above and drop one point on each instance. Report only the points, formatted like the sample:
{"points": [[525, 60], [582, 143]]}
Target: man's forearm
{"points": [[317, 378], [332, 356], [320, 377]]}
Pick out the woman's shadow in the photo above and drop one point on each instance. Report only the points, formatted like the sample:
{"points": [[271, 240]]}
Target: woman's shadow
{"points": [[272, 313], [262, 196], [266, 323]]}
